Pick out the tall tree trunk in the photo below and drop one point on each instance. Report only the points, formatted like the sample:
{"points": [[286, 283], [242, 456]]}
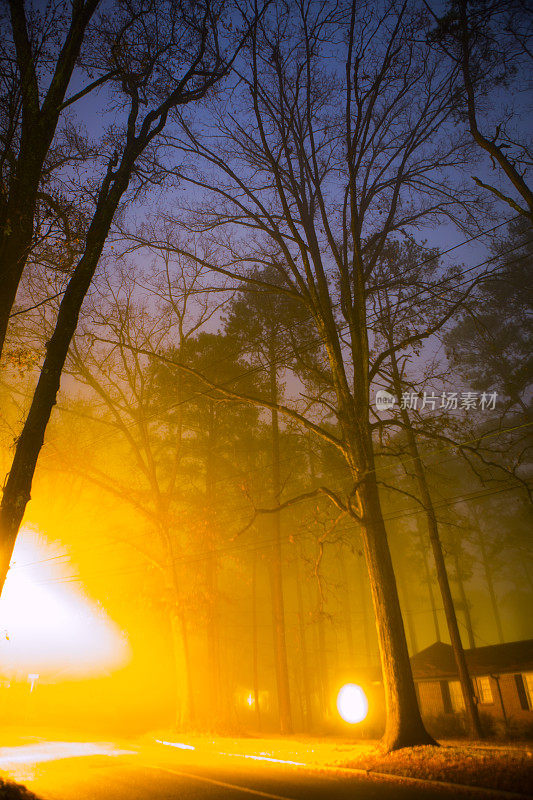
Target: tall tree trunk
{"points": [[185, 711], [440, 564], [404, 726], [322, 658], [348, 613], [213, 647], [255, 653], [278, 608], [488, 143], [13, 255], [17, 488], [120, 167], [37, 130], [489, 578], [462, 596], [490, 584], [185, 706], [363, 600], [429, 583], [304, 661], [404, 603], [411, 628]]}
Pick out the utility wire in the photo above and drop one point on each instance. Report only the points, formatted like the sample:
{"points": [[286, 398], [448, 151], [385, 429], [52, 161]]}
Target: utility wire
{"points": [[281, 361], [198, 557], [439, 286], [230, 515]]}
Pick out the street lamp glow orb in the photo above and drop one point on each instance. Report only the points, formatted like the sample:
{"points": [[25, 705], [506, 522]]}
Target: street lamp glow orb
{"points": [[352, 703]]}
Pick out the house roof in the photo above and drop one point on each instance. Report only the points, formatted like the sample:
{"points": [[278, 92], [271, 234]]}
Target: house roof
{"points": [[437, 660]]}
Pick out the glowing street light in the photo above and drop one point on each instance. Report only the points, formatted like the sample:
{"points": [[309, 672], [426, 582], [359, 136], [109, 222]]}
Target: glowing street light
{"points": [[352, 703], [52, 628]]}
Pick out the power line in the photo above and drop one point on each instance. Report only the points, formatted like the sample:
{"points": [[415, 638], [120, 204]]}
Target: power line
{"points": [[309, 345], [157, 413], [230, 515], [384, 469], [320, 340], [215, 553]]}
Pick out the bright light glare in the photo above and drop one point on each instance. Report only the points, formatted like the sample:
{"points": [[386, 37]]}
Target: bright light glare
{"points": [[264, 758], [181, 745], [352, 703], [48, 626], [52, 751]]}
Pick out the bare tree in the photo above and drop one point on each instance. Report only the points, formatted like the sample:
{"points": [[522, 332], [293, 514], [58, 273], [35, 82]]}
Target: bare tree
{"points": [[257, 321], [404, 271], [171, 56], [490, 42], [155, 421], [314, 189], [30, 119], [490, 341]]}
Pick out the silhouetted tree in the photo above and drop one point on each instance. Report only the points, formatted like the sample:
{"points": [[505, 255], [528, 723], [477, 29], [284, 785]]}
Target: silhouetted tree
{"points": [[169, 56], [491, 340], [490, 43], [321, 166], [39, 46]]}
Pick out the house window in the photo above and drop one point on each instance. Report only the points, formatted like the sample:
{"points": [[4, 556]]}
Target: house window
{"points": [[524, 686], [484, 690], [528, 685], [456, 696], [446, 699]]}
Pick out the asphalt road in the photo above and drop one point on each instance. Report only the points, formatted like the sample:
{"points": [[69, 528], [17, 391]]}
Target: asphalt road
{"points": [[114, 771]]}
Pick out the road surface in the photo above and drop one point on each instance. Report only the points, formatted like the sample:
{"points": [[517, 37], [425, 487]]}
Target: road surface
{"points": [[117, 771]]}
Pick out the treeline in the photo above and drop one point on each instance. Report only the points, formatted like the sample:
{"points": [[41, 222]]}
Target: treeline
{"points": [[296, 382]]}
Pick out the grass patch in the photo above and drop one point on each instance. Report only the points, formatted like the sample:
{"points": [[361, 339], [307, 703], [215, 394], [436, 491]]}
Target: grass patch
{"points": [[505, 768]]}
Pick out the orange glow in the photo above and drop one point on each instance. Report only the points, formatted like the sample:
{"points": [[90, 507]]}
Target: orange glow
{"points": [[20, 763], [52, 751], [49, 628]]}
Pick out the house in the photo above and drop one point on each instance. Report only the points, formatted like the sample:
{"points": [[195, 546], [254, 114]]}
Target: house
{"points": [[502, 675]]}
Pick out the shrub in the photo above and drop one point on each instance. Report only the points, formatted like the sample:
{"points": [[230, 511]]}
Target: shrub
{"points": [[519, 729], [447, 726]]}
